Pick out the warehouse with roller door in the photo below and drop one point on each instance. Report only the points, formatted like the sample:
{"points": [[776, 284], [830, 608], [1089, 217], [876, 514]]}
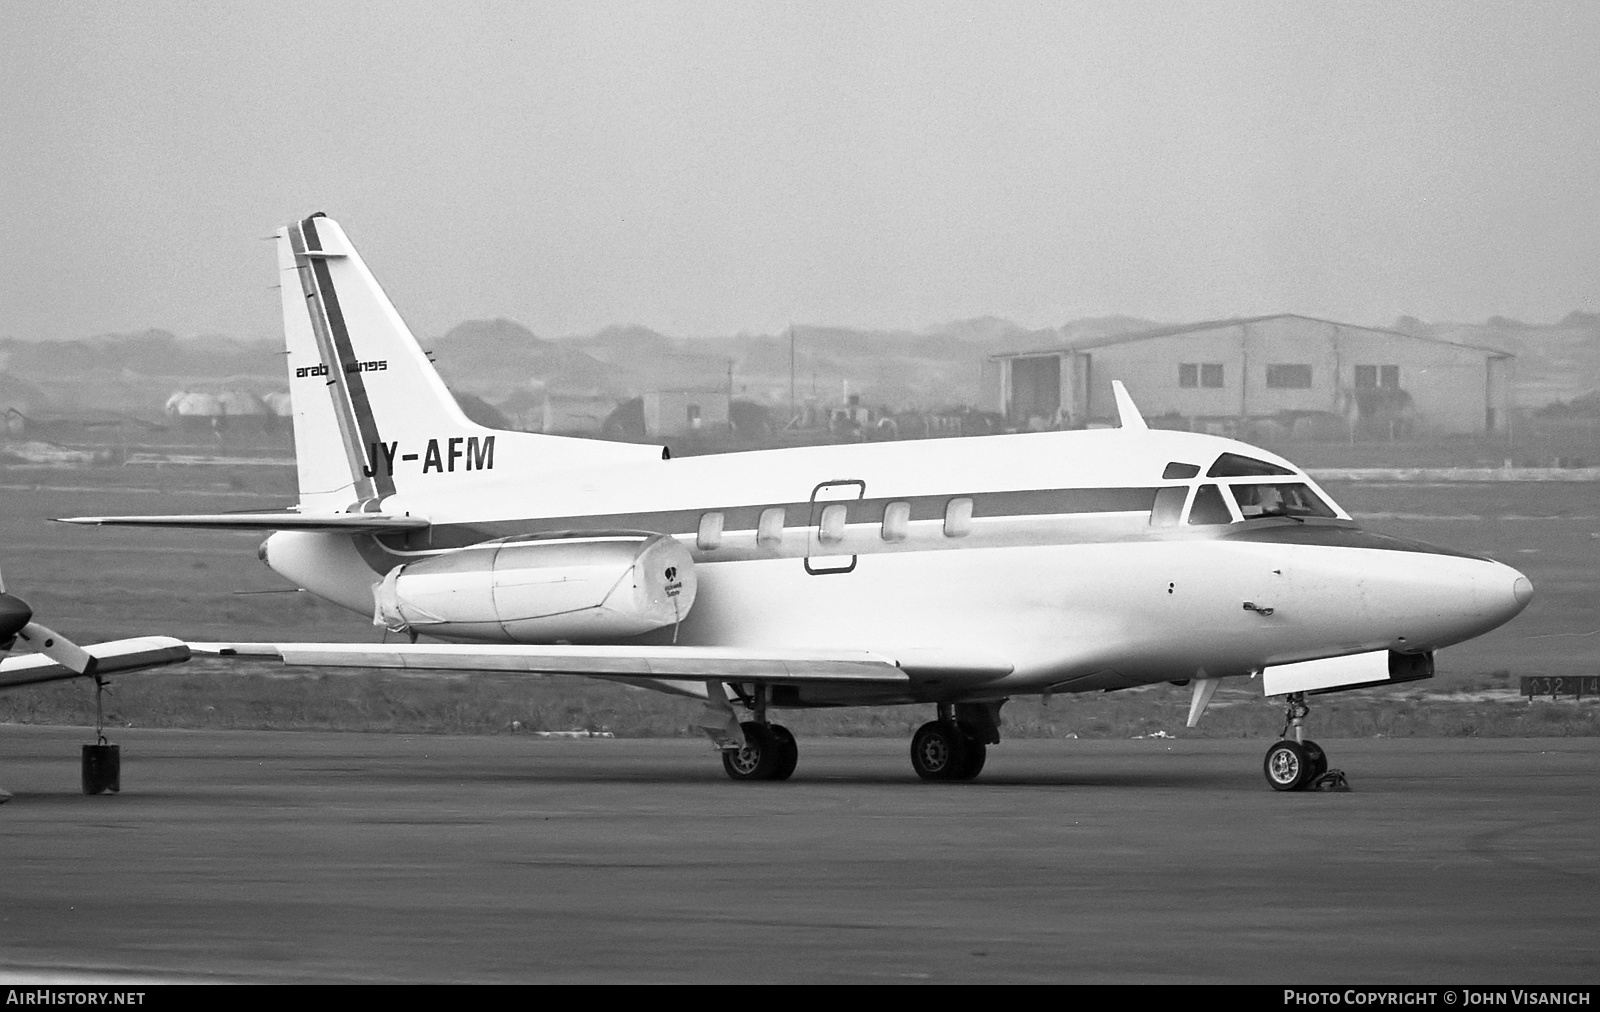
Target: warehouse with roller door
{"points": [[1299, 376]]}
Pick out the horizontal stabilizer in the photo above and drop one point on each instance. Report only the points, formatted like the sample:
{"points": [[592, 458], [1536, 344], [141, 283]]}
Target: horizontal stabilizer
{"points": [[345, 523], [109, 658]]}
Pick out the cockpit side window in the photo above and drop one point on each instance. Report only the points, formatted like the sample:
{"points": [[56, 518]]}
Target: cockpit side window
{"points": [[1233, 465], [1168, 507], [1177, 470], [1209, 507], [1288, 499]]}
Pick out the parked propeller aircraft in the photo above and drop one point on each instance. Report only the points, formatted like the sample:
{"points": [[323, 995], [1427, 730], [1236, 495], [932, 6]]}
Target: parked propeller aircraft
{"points": [[954, 573], [57, 658]]}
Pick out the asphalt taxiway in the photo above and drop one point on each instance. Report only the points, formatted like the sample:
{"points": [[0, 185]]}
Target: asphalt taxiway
{"points": [[260, 856]]}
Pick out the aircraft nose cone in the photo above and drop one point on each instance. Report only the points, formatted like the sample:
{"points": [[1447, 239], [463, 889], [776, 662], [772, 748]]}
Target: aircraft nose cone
{"points": [[14, 614], [1522, 590], [1503, 593]]}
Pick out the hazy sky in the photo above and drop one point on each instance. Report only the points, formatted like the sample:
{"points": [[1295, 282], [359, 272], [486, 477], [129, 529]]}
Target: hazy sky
{"points": [[706, 168]]}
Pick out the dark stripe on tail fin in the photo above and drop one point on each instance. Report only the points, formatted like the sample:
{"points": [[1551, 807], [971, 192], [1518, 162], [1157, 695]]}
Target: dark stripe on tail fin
{"points": [[357, 423]]}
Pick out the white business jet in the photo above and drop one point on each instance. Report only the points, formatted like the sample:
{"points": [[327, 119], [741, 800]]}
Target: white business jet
{"points": [[950, 572]]}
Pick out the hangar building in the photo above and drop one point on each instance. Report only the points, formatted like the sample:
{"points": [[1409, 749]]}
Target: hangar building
{"points": [[1310, 376]]}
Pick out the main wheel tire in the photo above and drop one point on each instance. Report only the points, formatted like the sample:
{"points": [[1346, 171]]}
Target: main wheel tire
{"points": [[977, 753], [1319, 759], [938, 751], [760, 757], [1287, 766], [789, 751]]}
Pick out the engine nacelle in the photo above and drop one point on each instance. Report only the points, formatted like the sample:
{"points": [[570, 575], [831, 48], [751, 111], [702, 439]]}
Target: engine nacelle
{"points": [[574, 587]]}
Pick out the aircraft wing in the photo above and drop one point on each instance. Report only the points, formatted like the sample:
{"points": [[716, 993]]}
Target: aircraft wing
{"points": [[109, 658], [644, 665], [347, 523]]}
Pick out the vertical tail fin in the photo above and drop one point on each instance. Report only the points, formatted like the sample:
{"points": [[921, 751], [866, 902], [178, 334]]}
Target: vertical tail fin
{"points": [[372, 418]]}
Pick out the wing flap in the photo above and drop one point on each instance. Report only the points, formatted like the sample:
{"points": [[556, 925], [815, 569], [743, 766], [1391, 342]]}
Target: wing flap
{"points": [[617, 663], [348, 523], [110, 658]]}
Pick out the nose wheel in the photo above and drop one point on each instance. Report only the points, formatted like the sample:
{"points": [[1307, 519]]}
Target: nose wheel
{"points": [[1297, 764]]}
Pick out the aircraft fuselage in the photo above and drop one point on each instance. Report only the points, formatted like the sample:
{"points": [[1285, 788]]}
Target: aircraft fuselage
{"points": [[1067, 553]]}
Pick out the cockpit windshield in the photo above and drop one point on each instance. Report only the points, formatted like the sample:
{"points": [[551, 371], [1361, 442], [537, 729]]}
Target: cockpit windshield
{"points": [[1288, 499], [1236, 465]]}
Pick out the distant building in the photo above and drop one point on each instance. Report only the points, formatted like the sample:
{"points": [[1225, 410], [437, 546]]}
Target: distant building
{"points": [[218, 409], [1310, 376], [577, 414], [685, 412], [537, 408]]}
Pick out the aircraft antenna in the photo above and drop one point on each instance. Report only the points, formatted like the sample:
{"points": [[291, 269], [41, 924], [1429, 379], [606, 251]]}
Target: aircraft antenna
{"points": [[1128, 416]]}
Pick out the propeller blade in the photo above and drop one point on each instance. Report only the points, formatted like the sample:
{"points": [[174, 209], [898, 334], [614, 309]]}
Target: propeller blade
{"points": [[57, 647]]}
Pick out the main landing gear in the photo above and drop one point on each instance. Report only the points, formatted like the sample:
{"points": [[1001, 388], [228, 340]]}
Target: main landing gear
{"points": [[1300, 765], [752, 749], [769, 753], [955, 746], [952, 747]]}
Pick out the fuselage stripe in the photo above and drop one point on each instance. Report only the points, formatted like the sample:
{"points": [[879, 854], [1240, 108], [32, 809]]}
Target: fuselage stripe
{"points": [[797, 515]]}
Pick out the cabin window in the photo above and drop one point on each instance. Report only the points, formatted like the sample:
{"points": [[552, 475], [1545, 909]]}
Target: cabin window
{"points": [[1188, 375], [1235, 465], [769, 529], [1209, 507], [896, 521], [1289, 377], [830, 529], [1389, 377], [1168, 508], [1211, 374], [709, 536], [1291, 499], [1176, 471], [958, 518]]}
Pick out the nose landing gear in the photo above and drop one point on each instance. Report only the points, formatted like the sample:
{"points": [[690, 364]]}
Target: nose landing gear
{"points": [[1300, 765]]}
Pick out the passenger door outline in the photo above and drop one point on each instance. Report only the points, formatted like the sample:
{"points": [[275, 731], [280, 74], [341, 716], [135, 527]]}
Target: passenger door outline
{"points": [[829, 493]]}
